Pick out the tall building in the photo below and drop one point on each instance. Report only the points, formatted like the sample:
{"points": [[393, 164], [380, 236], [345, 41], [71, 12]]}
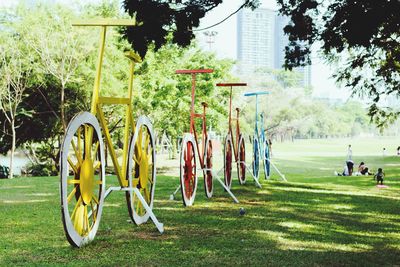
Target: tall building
{"points": [[255, 46], [261, 43]]}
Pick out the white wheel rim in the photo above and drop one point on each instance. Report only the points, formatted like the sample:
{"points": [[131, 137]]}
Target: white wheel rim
{"points": [[238, 165], [142, 121], [228, 139], [266, 158], [209, 192], [187, 138], [256, 171], [76, 122]]}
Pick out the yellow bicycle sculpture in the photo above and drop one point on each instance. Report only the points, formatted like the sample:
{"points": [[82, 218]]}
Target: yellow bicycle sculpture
{"points": [[82, 160]]}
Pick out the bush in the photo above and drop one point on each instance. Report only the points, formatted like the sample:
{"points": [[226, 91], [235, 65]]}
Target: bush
{"points": [[46, 169]]}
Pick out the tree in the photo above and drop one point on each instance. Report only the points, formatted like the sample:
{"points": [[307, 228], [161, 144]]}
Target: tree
{"points": [[360, 37], [15, 76], [61, 48], [165, 96], [157, 18]]}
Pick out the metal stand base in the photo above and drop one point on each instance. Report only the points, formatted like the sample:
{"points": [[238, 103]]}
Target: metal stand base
{"points": [[216, 176], [277, 170], [252, 175], [160, 226]]}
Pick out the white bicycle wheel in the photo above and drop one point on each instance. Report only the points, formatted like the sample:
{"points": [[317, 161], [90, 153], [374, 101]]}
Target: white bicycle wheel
{"points": [[208, 163], [188, 174], [82, 180], [256, 157], [241, 164], [228, 154], [141, 170]]}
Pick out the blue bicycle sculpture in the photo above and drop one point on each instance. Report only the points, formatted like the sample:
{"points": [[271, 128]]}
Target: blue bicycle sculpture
{"points": [[261, 145]]}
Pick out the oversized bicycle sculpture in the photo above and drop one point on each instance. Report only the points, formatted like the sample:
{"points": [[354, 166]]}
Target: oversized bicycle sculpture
{"points": [[189, 147], [82, 158], [234, 145], [261, 147]]}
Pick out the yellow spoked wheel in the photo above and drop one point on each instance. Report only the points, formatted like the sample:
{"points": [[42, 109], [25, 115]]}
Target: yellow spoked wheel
{"points": [[82, 179], [141, 170]]}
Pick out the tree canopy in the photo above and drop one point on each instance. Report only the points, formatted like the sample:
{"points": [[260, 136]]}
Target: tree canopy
{"points": [[360, 37], [157, 18]]}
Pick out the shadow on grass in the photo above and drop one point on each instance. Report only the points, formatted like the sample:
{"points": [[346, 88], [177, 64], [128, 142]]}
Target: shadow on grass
{"points": [[296, 224]]}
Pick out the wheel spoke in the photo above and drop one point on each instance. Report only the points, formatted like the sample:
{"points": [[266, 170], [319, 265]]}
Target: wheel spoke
{"points": [[95, 199], [80, 142], [71, 194], [77, 152], [93, 211], [78, 203], [136, 160], [96, 147], [86, 218], [73, 181], [97, 165], [87, 143], [72, 165]]}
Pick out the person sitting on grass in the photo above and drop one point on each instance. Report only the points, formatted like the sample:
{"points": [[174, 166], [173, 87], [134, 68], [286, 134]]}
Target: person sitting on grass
{"points": [[348, 169], [363, 169], [379, 176]]}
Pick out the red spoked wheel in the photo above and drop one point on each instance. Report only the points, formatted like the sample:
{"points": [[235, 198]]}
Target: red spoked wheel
{"points": [[241, 165], [228, 161], [188, 177], [208, 162]]}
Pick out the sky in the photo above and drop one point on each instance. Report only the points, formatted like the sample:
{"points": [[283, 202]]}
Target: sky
{"points": [[225, 46], [225, 43]]}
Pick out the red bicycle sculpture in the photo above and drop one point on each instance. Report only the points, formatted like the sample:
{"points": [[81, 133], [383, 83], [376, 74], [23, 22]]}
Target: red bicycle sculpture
{"points": [[234, 145], [189, 147]]}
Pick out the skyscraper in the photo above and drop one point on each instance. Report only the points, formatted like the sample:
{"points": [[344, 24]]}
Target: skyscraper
{"points": [[261, 42], [255, 46]]}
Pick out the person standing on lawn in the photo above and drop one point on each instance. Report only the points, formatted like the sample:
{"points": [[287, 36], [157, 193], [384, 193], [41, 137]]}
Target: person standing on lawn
{"points": [[379, 176], [349, 153]]}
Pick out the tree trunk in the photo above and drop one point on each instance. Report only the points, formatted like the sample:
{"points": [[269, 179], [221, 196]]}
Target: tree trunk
{"points": [[62, 110], [11, 174]]}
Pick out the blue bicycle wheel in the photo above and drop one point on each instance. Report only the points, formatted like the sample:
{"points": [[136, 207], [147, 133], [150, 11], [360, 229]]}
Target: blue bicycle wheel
{"points": [[256, 157], [267, 164]]}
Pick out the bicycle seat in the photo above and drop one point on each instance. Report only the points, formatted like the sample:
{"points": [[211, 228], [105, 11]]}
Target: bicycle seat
{"points": [[133, 56], [204, 104], [231, 84], [237, 109]]}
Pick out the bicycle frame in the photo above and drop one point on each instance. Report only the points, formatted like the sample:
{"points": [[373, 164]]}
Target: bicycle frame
{"points": [[83, 193], [235, 139], [194, 115], [98, 101], [262, 130], [256, 123]]}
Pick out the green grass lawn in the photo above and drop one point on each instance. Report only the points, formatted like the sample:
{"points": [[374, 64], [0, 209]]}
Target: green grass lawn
{"points": [[314, 219]]}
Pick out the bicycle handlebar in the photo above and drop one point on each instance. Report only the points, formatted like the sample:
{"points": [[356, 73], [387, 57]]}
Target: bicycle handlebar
{"points": [[257, 93], [194, 71]]}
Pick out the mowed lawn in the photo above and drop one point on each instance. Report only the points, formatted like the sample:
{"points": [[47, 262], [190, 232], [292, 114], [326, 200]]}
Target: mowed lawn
{"points": [[313, 219]]}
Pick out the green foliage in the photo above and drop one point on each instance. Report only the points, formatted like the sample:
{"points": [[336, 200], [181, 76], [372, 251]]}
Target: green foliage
{"points": [[359, 37], [157, 18], [292, 112], [166, 96]]}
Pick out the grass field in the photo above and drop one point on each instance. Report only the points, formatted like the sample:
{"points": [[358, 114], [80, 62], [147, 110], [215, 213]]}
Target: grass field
{"points": [[313, 219]]}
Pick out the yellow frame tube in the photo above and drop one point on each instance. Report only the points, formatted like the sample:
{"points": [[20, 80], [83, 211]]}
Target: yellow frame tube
{"points": [[98, 101]]}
